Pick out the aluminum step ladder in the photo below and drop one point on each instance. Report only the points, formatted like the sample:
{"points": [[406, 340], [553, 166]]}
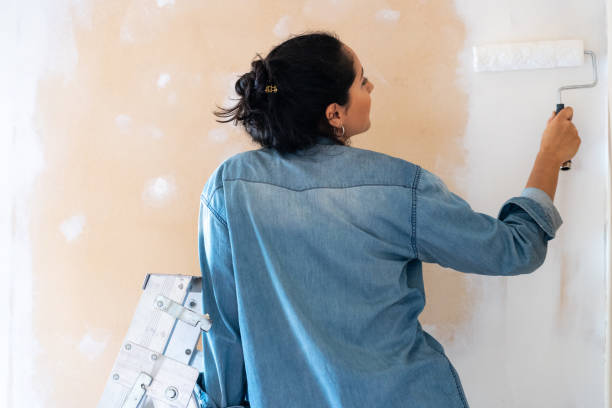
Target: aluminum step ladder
{"points": [[158, 363]]}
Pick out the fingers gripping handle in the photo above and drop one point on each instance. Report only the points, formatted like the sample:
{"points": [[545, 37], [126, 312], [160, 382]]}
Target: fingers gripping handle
{"points": [[568, 164]]}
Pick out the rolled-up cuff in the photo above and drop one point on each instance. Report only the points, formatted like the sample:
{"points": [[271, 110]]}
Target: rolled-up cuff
{"points": [[539, 206]]}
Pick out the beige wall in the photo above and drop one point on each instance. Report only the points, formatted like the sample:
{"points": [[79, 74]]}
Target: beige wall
{"points": [[112, 138]]}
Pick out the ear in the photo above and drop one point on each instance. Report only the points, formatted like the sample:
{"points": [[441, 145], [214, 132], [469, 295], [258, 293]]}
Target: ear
{"points": [[333, 114]]}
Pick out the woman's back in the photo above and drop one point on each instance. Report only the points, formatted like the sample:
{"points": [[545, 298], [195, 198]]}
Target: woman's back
{"points": [[312, 275]]}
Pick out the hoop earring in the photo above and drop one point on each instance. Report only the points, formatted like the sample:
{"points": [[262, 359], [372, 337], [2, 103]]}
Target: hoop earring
{"points": [[342, 135]]}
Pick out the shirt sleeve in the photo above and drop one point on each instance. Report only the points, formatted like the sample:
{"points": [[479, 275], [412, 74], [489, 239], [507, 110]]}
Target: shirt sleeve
{"points": [[448, 232], [224, 379]]}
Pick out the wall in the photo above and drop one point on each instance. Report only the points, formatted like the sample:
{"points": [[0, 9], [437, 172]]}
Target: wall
{"points": [[551, 325], [109, 139]]}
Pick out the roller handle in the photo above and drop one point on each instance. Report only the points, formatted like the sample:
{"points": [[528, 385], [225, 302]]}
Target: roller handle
{"points": [[568, 164]]}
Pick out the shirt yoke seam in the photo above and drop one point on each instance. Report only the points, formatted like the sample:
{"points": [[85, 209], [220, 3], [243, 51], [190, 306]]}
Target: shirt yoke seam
{"points": [[319, 187], [413, 188]]}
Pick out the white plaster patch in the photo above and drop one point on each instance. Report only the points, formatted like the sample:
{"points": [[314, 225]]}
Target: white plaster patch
{"points": [[387, 15], [72, 227], [123, 122], [158, 191], [163, 80], [281, 29], [126, 35], [162, 3], [155, 132], [218, 135], [172, 98], [92, 345]]}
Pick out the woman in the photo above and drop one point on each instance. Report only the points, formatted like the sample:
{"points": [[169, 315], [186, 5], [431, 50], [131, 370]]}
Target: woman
{"points": [[311, 250]]}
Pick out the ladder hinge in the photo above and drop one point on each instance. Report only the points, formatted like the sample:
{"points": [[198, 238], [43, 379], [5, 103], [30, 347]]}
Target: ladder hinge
{"points": [[182, 313], [139, 389]]}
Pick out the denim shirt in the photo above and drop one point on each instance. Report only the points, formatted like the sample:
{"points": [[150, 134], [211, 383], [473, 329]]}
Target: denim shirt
{"points": [[312, 276]]}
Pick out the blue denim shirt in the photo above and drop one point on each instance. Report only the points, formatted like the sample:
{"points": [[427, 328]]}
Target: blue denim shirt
{"points": [[312, 276]]}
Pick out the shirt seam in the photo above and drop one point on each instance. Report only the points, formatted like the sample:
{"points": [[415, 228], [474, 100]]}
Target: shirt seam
{"points": [[318, 187], [212, 194], [459, 390], [212, 210], [414, 208]]}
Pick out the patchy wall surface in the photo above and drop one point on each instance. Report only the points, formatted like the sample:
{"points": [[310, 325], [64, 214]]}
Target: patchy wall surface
{"points": [[539, 339], [112, 139]]}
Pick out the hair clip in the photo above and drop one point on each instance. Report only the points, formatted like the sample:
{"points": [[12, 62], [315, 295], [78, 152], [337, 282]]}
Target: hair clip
{"points": [[271, 88]]}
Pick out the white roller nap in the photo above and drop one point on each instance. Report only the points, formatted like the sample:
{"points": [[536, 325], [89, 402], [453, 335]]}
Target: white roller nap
{"points": [[528, 55]]}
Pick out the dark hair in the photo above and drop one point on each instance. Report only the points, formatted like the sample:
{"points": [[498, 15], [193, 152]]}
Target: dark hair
{"points": [[310, 71]]}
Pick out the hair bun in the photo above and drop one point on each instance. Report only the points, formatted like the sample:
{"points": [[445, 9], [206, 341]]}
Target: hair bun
{"points": [[254, 81], [261, 72], [245, 84]]}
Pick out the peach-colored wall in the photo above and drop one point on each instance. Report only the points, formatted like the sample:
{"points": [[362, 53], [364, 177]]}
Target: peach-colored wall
{"points": [[115, 139]]}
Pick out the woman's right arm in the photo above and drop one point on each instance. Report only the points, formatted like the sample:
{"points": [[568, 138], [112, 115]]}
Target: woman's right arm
{"points": [[448, 232]]}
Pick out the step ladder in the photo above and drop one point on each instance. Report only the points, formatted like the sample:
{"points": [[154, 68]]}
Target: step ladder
{"points": [[158, 363]]}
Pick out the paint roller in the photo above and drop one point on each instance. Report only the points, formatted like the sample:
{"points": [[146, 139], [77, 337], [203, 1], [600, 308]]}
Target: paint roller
{"points": [[535, 55]]}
